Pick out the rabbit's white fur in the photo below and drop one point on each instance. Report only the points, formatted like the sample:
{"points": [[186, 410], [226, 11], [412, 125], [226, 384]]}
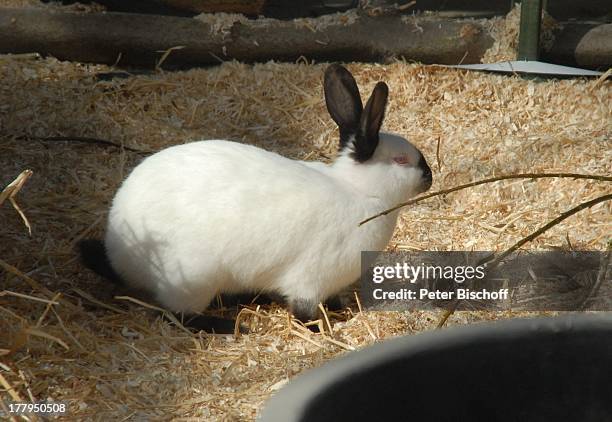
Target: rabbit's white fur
{"points": [[221, 217], [216, 216]]}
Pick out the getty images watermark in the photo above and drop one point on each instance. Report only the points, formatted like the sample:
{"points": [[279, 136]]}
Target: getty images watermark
{"points": [[523, 281], [414, 273]]}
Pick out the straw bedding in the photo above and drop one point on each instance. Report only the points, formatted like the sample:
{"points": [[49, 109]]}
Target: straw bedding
{"points": [[65, 338]]}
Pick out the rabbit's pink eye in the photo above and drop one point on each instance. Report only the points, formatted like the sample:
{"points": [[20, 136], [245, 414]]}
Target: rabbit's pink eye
{"points": [[402, 160]]}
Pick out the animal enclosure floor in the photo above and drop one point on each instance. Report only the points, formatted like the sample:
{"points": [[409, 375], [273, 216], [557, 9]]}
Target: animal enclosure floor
{"points": [[63, 335]]}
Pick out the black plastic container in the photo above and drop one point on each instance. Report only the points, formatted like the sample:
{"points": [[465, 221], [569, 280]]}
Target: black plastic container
{"points": [[547, 369]]}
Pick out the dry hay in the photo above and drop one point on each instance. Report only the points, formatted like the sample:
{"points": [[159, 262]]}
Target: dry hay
{"points": [[320, 23], [65, 338], [505, 33], [115, 359], [221, 23]]}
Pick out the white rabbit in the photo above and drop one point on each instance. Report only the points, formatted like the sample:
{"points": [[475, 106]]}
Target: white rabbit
{"points": [[211, 217]]}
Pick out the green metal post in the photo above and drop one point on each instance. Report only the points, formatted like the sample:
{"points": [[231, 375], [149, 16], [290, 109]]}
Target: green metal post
{"points": [[529, 37]]}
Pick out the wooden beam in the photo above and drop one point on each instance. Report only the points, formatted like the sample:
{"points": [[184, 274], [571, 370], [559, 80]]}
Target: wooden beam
{"points": [[529, 36], [138, 39], [246, 7]]}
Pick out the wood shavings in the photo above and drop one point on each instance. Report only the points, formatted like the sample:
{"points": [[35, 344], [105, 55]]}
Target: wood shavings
{"points": [[124, 359], [90, 7], [333, 19], [505, 32], [221, 23]]}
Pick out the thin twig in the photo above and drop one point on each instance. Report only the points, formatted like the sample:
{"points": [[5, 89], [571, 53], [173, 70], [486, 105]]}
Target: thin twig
{"points": [[438, 155], [493, 260], [405, 6], [550, 224], [86, 140], [339, 343], [34, 284], [490, 180], [38, 333], [24, 296], [164, 312], [165, 55], [9, 389], [11, 191], [326, 318], [600, 80]]}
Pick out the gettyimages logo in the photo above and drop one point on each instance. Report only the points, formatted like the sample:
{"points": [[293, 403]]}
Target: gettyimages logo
{"points": [[522, 281]]}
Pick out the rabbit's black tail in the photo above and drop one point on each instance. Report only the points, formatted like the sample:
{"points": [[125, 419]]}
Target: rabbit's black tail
{"points": [[93, 256]]}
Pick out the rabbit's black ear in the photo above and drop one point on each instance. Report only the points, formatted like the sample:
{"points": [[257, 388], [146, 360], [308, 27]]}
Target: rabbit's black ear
{"points": [[343, 100], [366, 140]]}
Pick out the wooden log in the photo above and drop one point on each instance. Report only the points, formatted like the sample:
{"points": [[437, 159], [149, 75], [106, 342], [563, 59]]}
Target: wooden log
{"points": [[139, 39], [102, 37], [561, 10], [246, 7], [582, 44]]}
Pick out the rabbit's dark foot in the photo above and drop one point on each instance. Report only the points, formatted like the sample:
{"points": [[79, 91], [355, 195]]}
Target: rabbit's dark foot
{"points": [[307, 310], [211, 324], [334, 303], [304, 309]]}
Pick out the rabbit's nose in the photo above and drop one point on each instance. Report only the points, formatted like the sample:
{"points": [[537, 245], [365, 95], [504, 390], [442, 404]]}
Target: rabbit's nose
{"points": [[426, 177]]}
